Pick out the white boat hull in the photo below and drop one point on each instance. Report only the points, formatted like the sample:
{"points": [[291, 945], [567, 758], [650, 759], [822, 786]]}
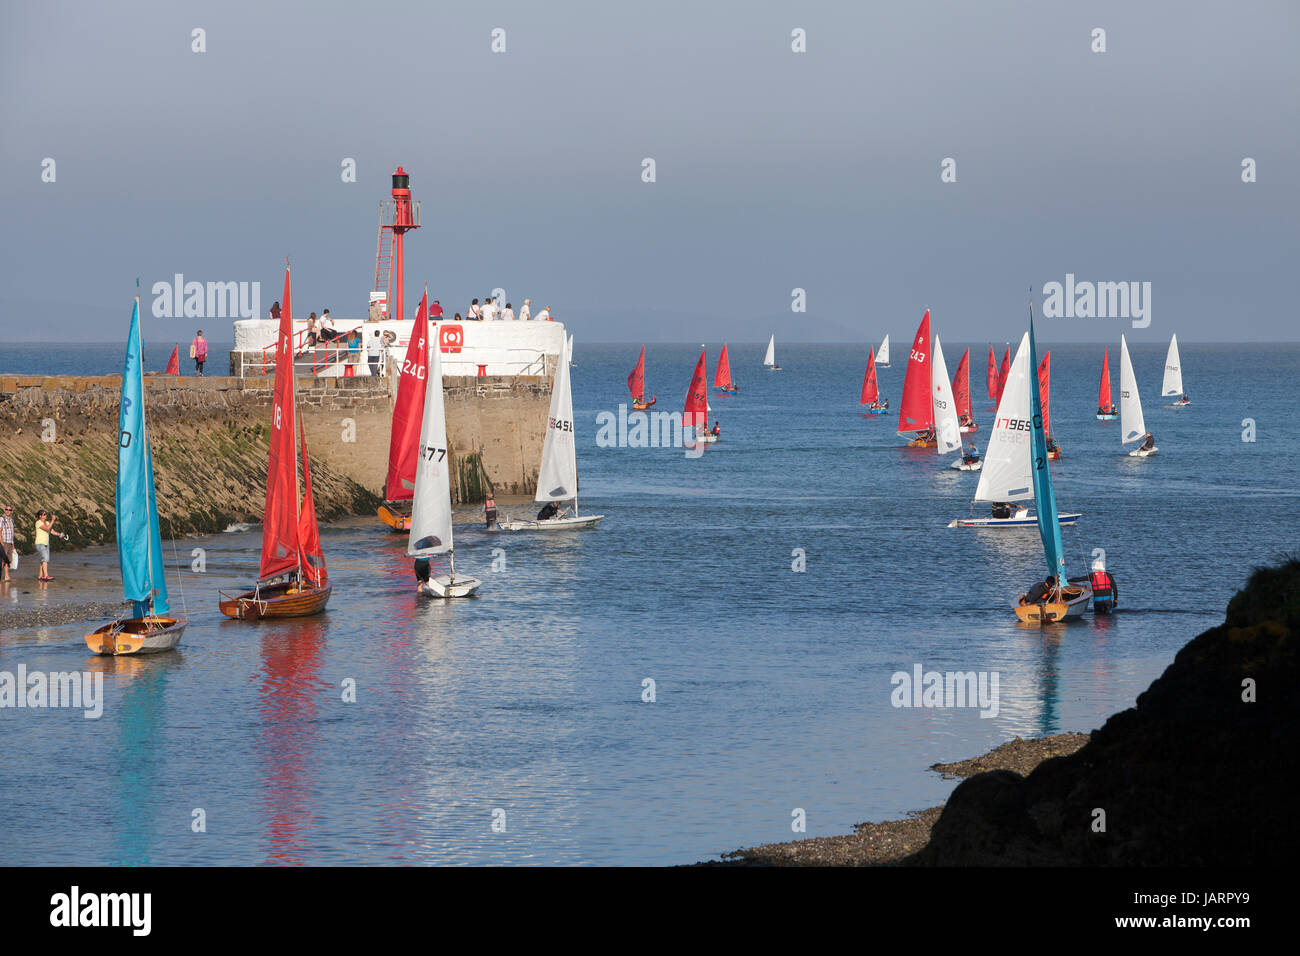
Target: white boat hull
{"points": [[704, 439], [963, 466], [1140, 453], [551, 524], [1018, 521], [444, 587]]}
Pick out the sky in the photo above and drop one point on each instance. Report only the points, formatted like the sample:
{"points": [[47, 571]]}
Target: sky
{"points": [[774, 170]]}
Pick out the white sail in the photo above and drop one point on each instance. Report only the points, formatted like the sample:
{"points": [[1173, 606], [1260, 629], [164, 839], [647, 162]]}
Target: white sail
{"points": [[1173, 384], [431, 504], [882, 356], [770, 358], [1132, 425], [558, 478], [1006, 475], [570, 349], [947, 428]]}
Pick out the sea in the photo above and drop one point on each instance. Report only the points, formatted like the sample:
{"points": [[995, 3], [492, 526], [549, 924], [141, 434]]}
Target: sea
{"points": [[714, 667]]}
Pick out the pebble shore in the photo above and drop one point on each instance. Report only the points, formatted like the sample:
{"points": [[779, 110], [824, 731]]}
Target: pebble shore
{"points": [[889, 842], [25, 616]]}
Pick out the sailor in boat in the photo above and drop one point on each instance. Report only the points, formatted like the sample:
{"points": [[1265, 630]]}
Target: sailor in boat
{"points": [[1003, 509], [966, 421], [717, 430], [1042, 592], [971, 456], [490, 511], [1052, 450], [551, 510], [1107, 410], [421, 572], [1105, 592], [1148, 442], [881, 403]]}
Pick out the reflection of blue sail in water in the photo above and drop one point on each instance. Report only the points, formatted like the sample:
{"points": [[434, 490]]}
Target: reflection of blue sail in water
{"points": [[139, 542], [1049, 685], [137, 756]]}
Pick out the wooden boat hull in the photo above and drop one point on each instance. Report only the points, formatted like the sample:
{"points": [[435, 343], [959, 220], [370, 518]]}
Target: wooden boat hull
{"points": [[551, 524], [1054, 455], [1074, 600], [443, 586], [923, 443], [395, 520], [1028, 521], [642, 406], [279, 600], [136, 635]]}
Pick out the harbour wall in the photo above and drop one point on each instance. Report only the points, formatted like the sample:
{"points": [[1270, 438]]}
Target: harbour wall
{"points": [[58, 446]]}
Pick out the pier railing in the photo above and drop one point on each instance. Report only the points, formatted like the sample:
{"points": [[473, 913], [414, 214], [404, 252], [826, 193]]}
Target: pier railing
{"points": [[334, 360]]}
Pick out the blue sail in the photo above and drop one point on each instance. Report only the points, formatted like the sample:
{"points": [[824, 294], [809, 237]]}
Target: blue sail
{"points": [[1049, 527], [139, 542]]}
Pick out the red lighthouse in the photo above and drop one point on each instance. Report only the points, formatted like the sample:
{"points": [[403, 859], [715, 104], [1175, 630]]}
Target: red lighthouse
{"points": [[396, 217]]}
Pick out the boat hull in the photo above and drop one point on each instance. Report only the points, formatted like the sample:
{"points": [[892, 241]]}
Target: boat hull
{"points": [[967, 429], [642, 406], [964, 466], [1140, 453], [551, 524], [1029, 521], [1074, 600], [394, 519], [135, 636], [443, 586], [279, 600], [922, 443]]}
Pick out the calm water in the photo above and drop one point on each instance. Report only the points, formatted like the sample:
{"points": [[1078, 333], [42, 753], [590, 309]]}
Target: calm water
{"points": [[773, 688]]}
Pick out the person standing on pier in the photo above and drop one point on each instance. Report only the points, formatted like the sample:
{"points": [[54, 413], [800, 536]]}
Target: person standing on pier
{"points": [[199, 352], [489, 310], [544, 315], [435, 310], [526, 312], [6, 541], [508, 313], [474, 314]]}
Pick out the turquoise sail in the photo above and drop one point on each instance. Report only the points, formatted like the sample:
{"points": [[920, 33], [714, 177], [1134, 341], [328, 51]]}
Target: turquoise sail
{"points": [[1049, 527], [139, 542]]}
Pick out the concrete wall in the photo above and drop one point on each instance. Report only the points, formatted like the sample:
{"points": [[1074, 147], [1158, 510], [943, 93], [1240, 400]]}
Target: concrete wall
{"points": [[210, 444]]}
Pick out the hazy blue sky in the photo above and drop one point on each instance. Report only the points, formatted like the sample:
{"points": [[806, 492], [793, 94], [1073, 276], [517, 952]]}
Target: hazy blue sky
{"points": [[775, 170]]}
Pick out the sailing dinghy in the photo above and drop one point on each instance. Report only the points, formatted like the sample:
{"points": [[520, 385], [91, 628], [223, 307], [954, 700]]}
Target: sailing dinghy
{"points": [[636, 385], [961, 394], [722, 377], [871, 390], [408, 413], [431, 504], [769, 360], [150, 628], [293, 581], [1106, 411], [916, 411], [1007, 479], [947, 431], [1172, 387], [557, 479], [882, 355], [1067, 599], [1132, 424], [1044, 398]]}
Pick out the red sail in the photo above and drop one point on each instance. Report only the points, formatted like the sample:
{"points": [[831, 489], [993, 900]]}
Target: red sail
{"points": [[961, 387], [280, 519], [1045, 392], [870, 392], [408, 411], [313, 558], [1103, 393], [174, 363], [993, 375], [916, 414], [1002, 376], [722, 378], [636, 378], [696, 410]]}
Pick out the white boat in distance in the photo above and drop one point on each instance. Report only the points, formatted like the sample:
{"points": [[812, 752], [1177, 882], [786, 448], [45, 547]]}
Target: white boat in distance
{"points": [[882, 356], [769, 360], [1133, 426]]}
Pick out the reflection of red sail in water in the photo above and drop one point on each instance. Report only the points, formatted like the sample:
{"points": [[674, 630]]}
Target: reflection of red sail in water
{"points": [[313, 557], [870, 391], [290, 690]]}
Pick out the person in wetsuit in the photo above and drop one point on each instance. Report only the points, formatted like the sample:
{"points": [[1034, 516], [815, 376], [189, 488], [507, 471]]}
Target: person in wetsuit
{"points": [[549, 510], [421, 572], [971, 456], [1148, 442], [1105, 591], [1042, 591], [490, 511]]}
